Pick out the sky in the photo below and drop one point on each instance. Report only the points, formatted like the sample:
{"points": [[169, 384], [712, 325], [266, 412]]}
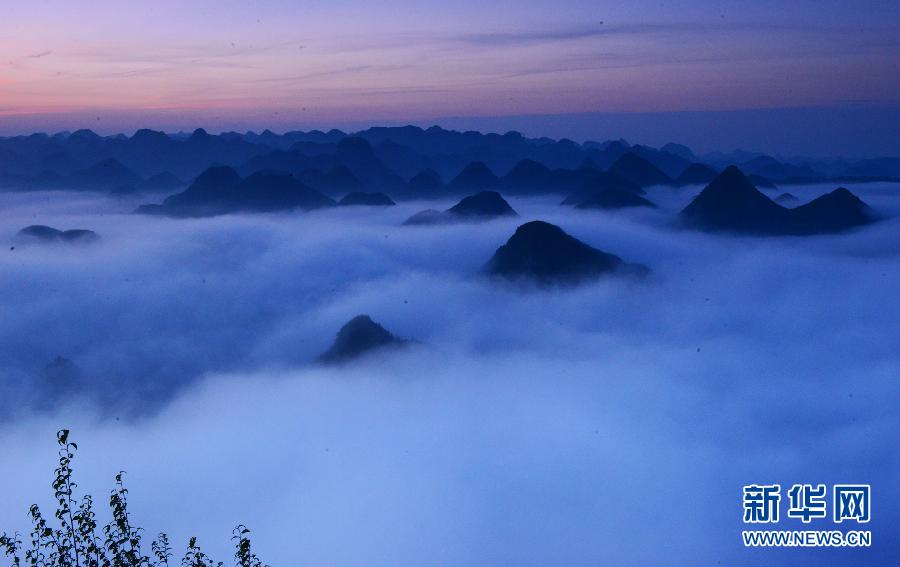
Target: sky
{"points": [[284, 65]]}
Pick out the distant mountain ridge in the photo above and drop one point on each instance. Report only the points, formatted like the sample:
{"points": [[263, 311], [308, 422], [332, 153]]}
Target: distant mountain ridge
{"points": [[220, 190], [388, 159]]}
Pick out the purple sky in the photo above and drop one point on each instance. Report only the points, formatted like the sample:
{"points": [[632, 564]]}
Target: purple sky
{"points": [[287, 64]]}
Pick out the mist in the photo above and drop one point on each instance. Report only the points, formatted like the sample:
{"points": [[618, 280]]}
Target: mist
{"points": [[614, 422]]}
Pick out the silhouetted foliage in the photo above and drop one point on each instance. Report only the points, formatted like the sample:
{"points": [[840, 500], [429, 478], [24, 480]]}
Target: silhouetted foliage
{"points": [[74, 540]]}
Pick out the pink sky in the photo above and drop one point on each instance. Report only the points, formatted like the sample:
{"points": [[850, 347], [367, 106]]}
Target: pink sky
{"points": [[280, 62]]}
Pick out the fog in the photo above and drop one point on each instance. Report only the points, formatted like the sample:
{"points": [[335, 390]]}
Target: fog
{"points": [[611, 423]]}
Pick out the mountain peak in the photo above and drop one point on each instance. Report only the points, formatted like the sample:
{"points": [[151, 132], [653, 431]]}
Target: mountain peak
{"points": [[545, 253], [368, 199], [638, 170], [475, 175], [486, 204], [357, 337], [696, 174], [731, 203]]}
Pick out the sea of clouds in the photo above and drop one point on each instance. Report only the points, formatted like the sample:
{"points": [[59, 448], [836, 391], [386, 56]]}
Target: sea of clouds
{"points": [[612, 423]]}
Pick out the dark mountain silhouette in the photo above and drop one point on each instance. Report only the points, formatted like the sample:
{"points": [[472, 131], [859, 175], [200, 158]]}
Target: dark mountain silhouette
{"points": [[370, 199], [220, 190], [216, 183], [162, 182], [428, 217], [679, 150], [588, 163], [401, 159], [833, 212], [670, 164], [334, 181], [44, 233], [613, 198], [105, 175], [601, 182], [772, 169], [292, 161], [84, 134], [787, 200], [567, 181], [605, 154], [486, 204], [475, 176], [358, 156], [331, 168], [528, 176], [639, 171], [482, 206], [696, 174], [544, 253], [426, 183], [382, 159], [361, 335], [732, 204], [278, 191]]}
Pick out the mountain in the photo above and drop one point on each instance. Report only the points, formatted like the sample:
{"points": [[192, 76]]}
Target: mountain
{"points": [[604, 155], [400, 158], [370, 199], [361, 335], [428, 217], [215, 188], [333, 181], [358, 156], [787, 200], [833, 212], [386, 159], [732, 204], [601, 182], [84, 135], [670, 164], [483, 205], [220, 190], [544, 253], [276, 191], [527, 177], [613, 198], [639, 171], [44, 233], [771, 168], [162, 182], [696, 174], [426, 183], [679, 150], [475, 176], [105, 175]]}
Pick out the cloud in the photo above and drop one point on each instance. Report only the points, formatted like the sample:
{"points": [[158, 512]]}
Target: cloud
{"points": [[601, 29], [612, 421]]}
